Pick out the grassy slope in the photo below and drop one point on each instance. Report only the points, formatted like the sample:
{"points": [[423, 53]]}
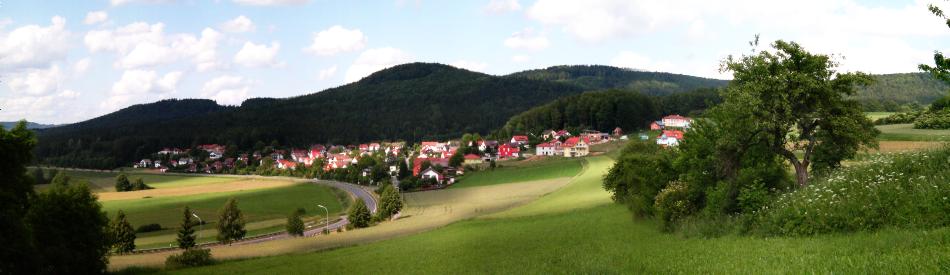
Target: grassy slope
{"points": [[521, 172], [908, 133], [257, 206], [602, 238]]}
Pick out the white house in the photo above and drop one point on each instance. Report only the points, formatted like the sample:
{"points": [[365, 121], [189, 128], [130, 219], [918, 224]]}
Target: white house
{"points": [[676, 121], [669, 138], [546, 149], [431, 174]]}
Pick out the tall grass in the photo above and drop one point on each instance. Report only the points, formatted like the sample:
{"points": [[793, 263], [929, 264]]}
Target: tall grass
{"points": [[907, 190]]}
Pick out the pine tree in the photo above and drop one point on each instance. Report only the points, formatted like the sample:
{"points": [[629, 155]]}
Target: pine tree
{"points": [[404, 171], [231, 223], [295, 226], [123, 236], [122, 183], [359, 215], [186, 233]]}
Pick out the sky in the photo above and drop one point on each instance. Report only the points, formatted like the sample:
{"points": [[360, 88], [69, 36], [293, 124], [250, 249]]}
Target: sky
{"points": [[69, 61]]}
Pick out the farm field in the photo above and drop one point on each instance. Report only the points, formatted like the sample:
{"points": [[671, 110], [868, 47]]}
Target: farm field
{"points": [[554, 234], [906, 132], [105, 181], [522, 171], [264, 209], [878, 115]]}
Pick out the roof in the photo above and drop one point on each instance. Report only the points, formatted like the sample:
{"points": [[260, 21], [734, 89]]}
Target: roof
{"points": [[546, 144], [676, 117], [472, 156], [520, 138]]}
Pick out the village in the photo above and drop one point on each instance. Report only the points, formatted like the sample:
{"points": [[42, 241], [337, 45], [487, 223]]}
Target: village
{"points": [[425, 165]]}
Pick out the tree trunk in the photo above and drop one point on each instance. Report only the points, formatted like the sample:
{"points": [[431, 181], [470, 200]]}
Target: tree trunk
{"points": [[801, 173]]}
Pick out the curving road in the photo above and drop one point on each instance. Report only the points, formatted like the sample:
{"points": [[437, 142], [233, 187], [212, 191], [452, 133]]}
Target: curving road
{"points": [[354, 190]]}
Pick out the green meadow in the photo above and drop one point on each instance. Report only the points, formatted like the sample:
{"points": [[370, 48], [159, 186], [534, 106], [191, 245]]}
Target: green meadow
{"points": [[906, 132], [522, 171], [577, 229], [105, 181]]}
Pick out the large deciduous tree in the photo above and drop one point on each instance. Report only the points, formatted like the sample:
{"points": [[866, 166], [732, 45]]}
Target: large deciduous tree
{"points": [[359, 215], [122, 183], [16, 146], [801, 106], [231, 223], [70, 230]]}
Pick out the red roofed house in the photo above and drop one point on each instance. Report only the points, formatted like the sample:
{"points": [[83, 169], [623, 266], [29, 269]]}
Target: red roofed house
{"points": [[519, 140], [618, 132], [576, 147], [676, 121], [373, 147], [670, 138], [417, 164], [432, 174], [473, 159], [656, 125], [509, 150]]}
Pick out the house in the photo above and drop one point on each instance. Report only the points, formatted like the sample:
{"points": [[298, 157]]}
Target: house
{"points": [[509, 150], [562, 133], [576, 147], [547, 149], [473, 159], [595, 137], [364, 148], [417, 164], [145, 163], [656, 125], [286, 164], [618, 132], [336, 161], [215, 151], [158, 163], [430, 173], [299, 155], [373, 147], [548, 134], [677, 121], [520, 140], [432, 146], [670, 138], [484, 145], [316, 151]]}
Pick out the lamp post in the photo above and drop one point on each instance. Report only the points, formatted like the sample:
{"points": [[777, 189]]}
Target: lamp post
{"points": [[327, 227], [201, 225]]}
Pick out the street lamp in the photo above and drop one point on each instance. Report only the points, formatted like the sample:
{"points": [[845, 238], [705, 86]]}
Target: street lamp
{"points": [[201, 225], [327, 227]]}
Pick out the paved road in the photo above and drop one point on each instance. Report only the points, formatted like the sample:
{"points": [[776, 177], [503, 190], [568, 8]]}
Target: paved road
{"points": [[354, 190]]}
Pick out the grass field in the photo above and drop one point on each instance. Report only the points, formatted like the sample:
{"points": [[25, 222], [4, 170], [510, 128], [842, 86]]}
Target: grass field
{"points": [[105, 181], [257, 205], [522, 171], [556, 234], [877, 115], [906, 132]]}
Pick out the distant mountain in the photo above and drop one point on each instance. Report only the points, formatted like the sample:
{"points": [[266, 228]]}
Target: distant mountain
{"points": [[29, 125], [407, 102], [599, 77], [890, 91]]}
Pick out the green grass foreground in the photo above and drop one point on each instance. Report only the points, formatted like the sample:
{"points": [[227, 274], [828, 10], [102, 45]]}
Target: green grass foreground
{"points": [[907, 132], [601, 237], [550, 168], [257, 205]]}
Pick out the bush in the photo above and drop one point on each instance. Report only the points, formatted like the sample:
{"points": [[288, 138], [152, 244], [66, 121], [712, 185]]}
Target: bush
{"points": [[898, 118], [638, 176], [148, 228], [190, 258], [933, 120], [907, 190], [672, 204]]}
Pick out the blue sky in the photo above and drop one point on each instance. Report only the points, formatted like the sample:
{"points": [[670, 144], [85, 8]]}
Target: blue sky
{"points": [[68, 61]]}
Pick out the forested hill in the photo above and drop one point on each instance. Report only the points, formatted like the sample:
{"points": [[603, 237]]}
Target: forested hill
{"points": [[890, 91], [410, 102], [29, 125], [599, 77]]}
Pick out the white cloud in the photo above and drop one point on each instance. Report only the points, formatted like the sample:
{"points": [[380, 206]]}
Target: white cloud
{"points": [[327, 73], [82, 65], [33, 46], [139, 86], [94, 17], [123, 2], [141, 45], [336, 39], [227, 90], [527, 40], [470, 65], [254, 55], [631, 60], [238, 24], [373, 60], [48, 108], [270, 2], [520, 58], [36, 82], [501, 6]]}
